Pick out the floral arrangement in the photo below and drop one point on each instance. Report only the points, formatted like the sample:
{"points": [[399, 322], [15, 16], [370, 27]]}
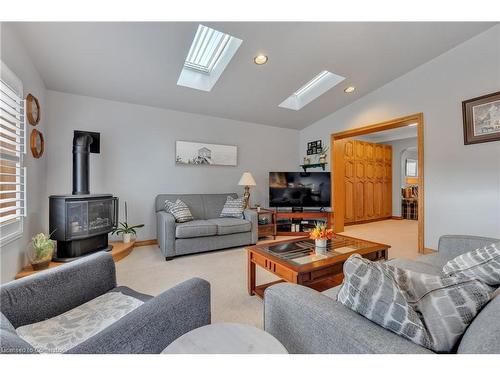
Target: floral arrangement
{"points": [[320, 232], [43, 246]]}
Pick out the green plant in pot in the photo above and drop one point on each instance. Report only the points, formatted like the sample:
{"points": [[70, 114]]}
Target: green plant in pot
{"points": [[125, 229], [40, 251]]}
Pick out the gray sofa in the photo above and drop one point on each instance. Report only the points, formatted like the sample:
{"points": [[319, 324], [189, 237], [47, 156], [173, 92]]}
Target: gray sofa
{"points": [[306, 321], [147, 329], [207, 231]]}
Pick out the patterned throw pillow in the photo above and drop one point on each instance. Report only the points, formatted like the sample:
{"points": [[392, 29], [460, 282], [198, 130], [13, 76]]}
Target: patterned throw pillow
{"points": [[180, 210], [233, 208], [432, 311], [482, 264]]}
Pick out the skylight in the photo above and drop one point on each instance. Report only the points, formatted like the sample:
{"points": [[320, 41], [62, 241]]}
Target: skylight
{"points": [[316, 87], [207, 48], [209, 54]]}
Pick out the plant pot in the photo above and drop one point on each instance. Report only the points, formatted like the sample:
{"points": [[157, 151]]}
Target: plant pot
{"points": [[40, 265], [127, 237], [320, 243], [40, 258]]}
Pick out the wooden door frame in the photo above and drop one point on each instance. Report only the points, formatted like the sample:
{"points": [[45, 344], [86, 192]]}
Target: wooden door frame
{"points": [[337, 156]]}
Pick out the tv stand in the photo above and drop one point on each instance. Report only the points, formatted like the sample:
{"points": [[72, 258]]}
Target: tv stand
{"points": [[287, 222]]}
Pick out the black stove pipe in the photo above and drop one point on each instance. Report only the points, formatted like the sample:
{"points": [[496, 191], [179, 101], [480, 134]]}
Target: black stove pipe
{"points": [[81, 151]]}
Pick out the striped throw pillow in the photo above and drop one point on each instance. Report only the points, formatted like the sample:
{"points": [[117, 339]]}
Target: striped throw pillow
{"points": [[430, 310], [482, 264], [233, 208], [180, 210]]}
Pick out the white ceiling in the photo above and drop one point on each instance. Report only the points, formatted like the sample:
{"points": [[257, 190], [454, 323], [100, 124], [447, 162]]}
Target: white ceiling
{"points": [[141, 62], [404, 132]]}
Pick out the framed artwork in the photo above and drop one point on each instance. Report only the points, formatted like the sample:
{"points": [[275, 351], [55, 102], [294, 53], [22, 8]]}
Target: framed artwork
{"points": [[37, 144], [196, 153], [481, 118]]}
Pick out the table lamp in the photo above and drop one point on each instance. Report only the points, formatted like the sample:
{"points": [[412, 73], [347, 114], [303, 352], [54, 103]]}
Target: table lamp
{"points": [[247, 180]]}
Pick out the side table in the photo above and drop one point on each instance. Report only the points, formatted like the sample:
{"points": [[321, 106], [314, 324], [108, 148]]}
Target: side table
{"points": [[226, 338]]}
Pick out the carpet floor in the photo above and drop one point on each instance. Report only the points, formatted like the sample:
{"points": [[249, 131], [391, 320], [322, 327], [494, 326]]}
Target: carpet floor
{"points": [[146, 270]]}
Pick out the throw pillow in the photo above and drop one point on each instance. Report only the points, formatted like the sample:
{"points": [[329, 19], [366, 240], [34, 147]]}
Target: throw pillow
{"points": [[233, 207], [432, 311], [482, 264], [180, 210]]}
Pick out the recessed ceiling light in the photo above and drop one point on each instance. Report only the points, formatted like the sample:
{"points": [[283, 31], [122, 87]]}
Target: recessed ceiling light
{"points": [[260, 59], [316, 87], [349, 89]]}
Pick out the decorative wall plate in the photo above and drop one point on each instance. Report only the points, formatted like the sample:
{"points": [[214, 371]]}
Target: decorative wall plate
{"points": [[32, 109], [37, 143]]}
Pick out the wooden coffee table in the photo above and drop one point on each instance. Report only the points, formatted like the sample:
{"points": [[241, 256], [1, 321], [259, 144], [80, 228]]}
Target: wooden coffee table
{"points": [[298, 261]]}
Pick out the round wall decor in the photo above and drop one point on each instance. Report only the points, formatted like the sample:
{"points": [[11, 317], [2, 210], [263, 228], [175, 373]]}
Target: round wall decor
{"points": [[37, 143], [32, 109]]}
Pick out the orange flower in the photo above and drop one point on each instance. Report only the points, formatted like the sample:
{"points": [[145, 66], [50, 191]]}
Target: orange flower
{"points": [[320, 232]]}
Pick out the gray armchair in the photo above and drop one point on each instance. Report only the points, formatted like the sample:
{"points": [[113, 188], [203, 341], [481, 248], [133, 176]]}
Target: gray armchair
{"points": [[147, 329], [306, 321]]}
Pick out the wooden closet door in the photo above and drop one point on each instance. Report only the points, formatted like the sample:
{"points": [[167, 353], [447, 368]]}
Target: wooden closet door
{"points": [[387, 182], [369, 190], [349, 182], [360, 181]]}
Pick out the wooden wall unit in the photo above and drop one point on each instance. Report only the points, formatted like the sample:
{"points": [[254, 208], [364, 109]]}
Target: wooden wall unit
{"points": [[367, 181]]}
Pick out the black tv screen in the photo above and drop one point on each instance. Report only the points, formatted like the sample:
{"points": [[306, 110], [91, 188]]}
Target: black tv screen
{"points": [[299, 189]]}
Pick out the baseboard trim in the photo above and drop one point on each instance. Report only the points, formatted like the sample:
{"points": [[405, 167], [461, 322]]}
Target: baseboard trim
{"points": [[428, 250], [145, 243], [369, 221], [396, 217]]}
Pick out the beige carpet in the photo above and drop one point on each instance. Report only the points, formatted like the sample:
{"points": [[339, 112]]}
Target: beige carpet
{"points": [[146, 270], [402, 235]]}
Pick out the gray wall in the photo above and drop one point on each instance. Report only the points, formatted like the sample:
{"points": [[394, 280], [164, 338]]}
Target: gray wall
{"points": [[398, 172], [462, 183], [137, 159], [12, 255]]}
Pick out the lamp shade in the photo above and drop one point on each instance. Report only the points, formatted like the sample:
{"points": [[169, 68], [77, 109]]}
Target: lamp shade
{"points": [[247, 180]]}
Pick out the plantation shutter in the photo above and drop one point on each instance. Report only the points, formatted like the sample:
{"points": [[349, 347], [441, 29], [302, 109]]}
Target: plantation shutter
{"points": [[12, 150]]}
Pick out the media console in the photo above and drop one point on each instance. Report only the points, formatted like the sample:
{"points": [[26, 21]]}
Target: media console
{"points": [[290, 223]]}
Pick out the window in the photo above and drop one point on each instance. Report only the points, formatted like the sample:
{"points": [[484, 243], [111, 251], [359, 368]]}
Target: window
{"points": [[411, 168], [316, 87], [209, 54], [12, 149]]}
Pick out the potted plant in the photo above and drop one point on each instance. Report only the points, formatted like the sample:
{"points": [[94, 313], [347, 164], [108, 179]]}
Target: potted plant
{"points": [[320, 234], [40, 251], [125, 229]]}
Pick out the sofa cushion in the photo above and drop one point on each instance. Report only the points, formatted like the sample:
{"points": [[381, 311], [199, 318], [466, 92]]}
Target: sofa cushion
{"points": [[213, 204], [65, 331], [180, 210], [233, 208], [415, 266], [430, 310], [195, 228], [482, 264], [228, 225], [483, 335], [435, 260]]}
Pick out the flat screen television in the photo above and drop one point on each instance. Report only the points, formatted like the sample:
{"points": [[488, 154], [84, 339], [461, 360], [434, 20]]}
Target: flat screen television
{"points": [[299, 189]]}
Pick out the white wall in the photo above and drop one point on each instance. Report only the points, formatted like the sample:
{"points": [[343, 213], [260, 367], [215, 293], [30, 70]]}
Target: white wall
{"points": [[462, 183], [398, 172], [12, 255], [137, 159]]}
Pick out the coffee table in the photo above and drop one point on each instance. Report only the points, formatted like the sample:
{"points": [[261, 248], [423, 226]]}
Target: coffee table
{"points": [[298, 261], [226, 338]]}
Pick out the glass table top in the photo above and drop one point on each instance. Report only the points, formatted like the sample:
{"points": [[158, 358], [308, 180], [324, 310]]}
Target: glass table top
{"points": [[304, 251]]}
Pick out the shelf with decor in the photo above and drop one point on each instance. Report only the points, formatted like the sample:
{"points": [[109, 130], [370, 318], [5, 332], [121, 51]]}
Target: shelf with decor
{"points": [[305, 167]]}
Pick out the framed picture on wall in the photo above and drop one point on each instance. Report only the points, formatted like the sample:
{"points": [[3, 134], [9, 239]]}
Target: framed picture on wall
{"points": [[481, 118], [196, 153]]}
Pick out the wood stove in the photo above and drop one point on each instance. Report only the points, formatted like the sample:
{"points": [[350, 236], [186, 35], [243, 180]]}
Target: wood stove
{"points": [[80, 222]]}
